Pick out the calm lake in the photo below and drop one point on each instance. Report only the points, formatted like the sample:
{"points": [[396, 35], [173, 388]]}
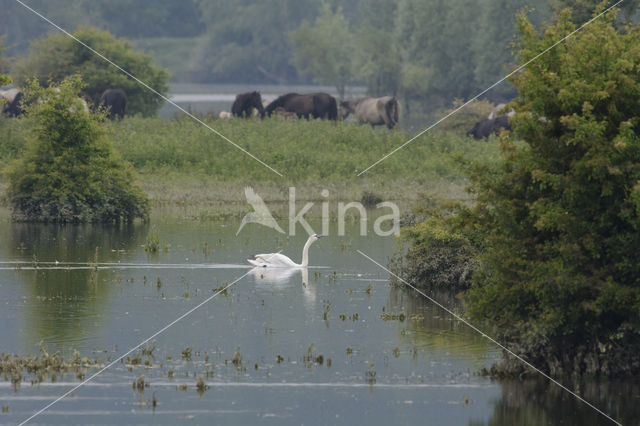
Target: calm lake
{"points": [[337, 345]]}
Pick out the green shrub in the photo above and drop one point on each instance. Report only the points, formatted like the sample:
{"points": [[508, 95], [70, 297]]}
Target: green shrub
{"points": [[54, 58], [69, 171], [439, 256], [559, 217]]}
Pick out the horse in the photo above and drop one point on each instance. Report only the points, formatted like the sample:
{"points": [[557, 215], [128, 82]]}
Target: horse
{"points": [[12, 105], [375, 111], [486, 126], [115, 100], [316, 105], [244, 104], [284, 114], [499, 110]]}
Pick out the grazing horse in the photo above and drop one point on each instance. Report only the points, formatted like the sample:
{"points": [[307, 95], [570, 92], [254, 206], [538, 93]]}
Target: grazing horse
{"points": [[115, 100], [484, 127], [375, 111], [316, 105], [499, 110], [12, 102], [244, 104]]}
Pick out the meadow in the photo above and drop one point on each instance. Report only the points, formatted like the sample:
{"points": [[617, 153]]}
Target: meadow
{"points": [[183, 165]]}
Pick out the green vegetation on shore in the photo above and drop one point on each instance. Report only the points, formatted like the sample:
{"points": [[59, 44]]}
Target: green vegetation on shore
{"points": [[180, 163], [69, 171], [552, 237]]}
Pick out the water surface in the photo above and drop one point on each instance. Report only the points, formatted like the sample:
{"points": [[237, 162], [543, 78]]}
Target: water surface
{"points": [[335, 344]]}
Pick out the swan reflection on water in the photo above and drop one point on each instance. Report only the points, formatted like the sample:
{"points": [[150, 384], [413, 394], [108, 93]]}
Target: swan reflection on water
{"points": [[279, 278]]}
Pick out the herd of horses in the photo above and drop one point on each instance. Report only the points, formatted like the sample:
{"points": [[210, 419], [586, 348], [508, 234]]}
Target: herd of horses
{"points": [[373, 111], [114, 100], [384, 110]]}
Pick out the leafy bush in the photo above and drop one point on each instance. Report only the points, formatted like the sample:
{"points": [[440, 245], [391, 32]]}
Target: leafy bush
{"points": [[440, 256], [559, 218], [54, 58], [69, 171]]}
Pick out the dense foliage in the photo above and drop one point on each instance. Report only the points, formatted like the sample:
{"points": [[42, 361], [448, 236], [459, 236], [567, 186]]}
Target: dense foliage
{"points": [[324, 50], [425, 52], [69, 171], [557, 224], [58, 56]]}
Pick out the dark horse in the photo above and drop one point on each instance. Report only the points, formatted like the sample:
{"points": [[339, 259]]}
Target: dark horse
{"points": [[12, 105], [316, 105], [484, 127], [115, 100], [244, 104]]}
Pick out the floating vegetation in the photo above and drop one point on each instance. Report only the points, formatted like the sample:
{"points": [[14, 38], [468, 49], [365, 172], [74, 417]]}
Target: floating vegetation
{"points": [[385, 316], [5, 408], [279, 359], [237, 361], [12, 367], [201, 386], [158, 283], [139, 384], [224, 289], [310, 358], [186, 353], [325, 315], [148, 349], [181, 387], [345, 246], [396, 352], [135, 359], [349, 351], [368, 290], [153, 242], [370, 375]]}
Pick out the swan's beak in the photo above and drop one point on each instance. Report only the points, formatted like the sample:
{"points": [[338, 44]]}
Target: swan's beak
{"points": [[319, 235]]}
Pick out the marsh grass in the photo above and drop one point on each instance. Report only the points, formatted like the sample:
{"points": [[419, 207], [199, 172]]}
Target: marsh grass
{"points": [[186, 169]]}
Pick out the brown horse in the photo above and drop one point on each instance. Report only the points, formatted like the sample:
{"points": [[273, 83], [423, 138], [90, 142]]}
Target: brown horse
{"points": [[375, 111], [316, 105]]}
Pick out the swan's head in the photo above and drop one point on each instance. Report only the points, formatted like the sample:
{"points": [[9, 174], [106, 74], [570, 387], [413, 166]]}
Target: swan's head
{"points": [[314, 237]]}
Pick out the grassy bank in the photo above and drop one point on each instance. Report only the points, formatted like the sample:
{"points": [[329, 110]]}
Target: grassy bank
{"points": [[185, 167]]}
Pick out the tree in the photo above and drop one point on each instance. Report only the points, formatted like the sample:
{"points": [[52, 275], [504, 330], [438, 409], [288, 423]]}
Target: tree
{"points": [[559, 218], [378, 55], [324, 51], [69, 171], [54, 58], [582, 10], [246, 40]]}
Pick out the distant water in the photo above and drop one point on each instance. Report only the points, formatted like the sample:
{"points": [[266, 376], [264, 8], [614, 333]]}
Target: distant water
{"points": [[213, 98]]}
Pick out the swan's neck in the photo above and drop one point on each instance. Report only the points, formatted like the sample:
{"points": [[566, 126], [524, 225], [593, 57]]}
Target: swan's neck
{"points": [[305, 253]]}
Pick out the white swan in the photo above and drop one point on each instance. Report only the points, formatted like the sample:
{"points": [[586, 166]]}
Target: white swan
{"points": [[277, 260]]}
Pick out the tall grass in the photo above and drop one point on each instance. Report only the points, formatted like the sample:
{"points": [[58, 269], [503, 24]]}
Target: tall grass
{"points": [[182, 164], [300, 150]]}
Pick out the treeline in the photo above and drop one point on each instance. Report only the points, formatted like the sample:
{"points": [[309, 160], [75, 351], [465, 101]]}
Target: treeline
{"points": [[427, 53]]}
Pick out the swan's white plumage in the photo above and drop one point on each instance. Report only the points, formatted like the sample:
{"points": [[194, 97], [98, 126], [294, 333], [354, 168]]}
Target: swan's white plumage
{"points": [[277, 260]]}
